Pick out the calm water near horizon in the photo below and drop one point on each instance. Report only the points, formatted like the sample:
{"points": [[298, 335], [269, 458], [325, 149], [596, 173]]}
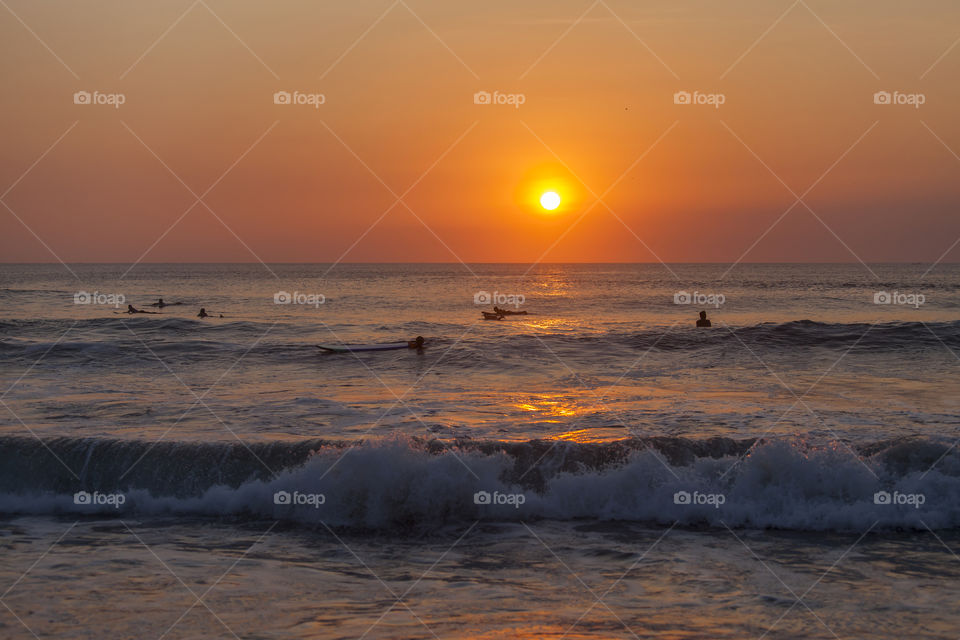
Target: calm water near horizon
{"points": [[696, 481]]}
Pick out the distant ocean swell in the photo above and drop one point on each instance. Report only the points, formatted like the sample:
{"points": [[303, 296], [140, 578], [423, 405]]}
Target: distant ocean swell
{"points": [[412, 484], [109, 339]]}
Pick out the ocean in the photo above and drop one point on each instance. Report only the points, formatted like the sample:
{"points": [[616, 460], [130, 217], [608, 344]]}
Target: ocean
{"points": [[598, 467]]}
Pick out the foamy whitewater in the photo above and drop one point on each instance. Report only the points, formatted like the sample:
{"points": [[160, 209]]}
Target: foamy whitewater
{"points": [[532, 460]]}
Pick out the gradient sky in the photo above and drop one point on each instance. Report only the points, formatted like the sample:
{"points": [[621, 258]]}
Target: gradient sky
{"points": [[691, 182]]}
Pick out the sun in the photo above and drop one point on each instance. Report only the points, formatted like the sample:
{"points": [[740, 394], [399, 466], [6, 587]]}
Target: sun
{"points": [[550, 200]]}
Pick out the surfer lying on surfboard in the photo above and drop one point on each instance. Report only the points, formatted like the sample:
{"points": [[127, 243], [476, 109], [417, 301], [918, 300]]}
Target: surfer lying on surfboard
{"points": [[417, 343], [132, 309]]}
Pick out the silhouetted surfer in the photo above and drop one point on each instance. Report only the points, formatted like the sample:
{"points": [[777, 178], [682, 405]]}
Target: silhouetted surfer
{"points": [[703, 322], [416, 344], [203, 313], [160, 303], [132, 309]]}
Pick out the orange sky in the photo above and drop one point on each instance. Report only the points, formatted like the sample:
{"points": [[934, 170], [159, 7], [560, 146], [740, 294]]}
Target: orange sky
{"points": [[313, 184]]}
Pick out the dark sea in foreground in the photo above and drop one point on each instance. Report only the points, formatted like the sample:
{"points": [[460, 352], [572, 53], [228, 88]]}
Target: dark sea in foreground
{"points": [[597, 468]]}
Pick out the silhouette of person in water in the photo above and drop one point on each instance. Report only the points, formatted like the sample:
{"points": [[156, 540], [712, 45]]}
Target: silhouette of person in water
{"points": [[703, 322], [416, 344], [203, 313], [160, 303], [132, 309]]}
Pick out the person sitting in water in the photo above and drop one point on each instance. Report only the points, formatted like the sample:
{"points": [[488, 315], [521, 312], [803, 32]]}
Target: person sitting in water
{"points": [[132, 309], [703, 322], [203, 313], [416, 344]]}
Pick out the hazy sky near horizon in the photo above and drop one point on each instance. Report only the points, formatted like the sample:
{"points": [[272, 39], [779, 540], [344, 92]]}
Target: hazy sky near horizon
{"points": [[199, 163]]}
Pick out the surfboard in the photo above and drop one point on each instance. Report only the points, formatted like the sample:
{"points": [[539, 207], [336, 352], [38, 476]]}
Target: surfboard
{"points": [[346, 348]]}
